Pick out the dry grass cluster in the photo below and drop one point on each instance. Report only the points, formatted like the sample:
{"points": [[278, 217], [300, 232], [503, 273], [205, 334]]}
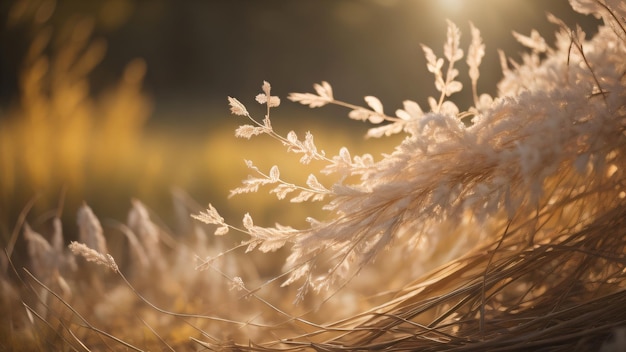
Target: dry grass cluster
{"points": [[497, 228]]}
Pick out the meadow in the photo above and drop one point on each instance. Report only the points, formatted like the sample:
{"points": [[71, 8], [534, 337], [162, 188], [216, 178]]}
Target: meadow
{"points": [[498, 227]]}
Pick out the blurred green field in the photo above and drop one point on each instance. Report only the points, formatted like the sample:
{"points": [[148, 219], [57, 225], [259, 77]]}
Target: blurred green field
{"points": [[62, 145], [66, 140]]}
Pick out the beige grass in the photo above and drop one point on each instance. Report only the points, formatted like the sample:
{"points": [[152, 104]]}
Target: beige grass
{"points": [[499, 228]]}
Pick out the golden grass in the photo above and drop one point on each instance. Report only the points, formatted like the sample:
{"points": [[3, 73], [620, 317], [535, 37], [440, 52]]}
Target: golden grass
{"points": [[552, 280]]}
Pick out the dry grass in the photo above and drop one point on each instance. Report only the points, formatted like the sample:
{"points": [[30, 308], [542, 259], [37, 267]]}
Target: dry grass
{"points": [[507, 233]]}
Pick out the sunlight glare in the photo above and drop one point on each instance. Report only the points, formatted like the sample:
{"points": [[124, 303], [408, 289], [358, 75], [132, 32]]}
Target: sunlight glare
{"points": [[450, 5]]}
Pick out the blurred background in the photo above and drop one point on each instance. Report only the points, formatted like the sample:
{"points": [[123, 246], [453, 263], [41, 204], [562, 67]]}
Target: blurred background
{"points": [[102, 101]]}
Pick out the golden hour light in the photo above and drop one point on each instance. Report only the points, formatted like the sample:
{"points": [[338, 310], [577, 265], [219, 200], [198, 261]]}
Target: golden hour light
{"points": [[312, 175], [451, 5]]}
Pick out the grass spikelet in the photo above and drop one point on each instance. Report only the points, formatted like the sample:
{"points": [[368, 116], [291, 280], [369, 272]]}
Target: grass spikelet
{"points": [[146, 231], [89, 230], [92, 255]]}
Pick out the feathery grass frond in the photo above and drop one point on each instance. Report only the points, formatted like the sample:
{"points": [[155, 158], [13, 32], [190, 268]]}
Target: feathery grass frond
{"points": [[513, 166]]}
